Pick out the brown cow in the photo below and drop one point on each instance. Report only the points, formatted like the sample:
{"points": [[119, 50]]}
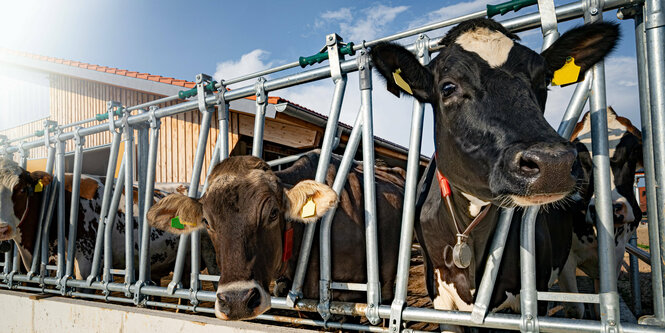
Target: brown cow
{"points": [[251, 215]]}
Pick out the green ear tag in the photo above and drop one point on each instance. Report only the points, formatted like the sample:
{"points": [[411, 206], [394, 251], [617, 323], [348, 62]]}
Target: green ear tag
{"points": [[400, 81], [175, 223], [39, 187], [567, 74]]}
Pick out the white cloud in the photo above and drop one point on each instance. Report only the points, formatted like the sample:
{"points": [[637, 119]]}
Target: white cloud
{"points": [[449, 12], [622, 92], [249, 63], [370, 26]]}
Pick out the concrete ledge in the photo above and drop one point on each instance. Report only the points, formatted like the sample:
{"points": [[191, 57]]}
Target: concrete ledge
{"points": [[20, 314]]}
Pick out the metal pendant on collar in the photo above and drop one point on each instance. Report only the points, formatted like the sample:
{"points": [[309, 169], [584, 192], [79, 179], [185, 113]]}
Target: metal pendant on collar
{"points": [[462, 252]]}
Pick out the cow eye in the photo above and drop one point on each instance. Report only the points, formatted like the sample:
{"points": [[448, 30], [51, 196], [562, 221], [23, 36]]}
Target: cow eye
{"points": [[204, 221], [448, 89], [274, 214]]}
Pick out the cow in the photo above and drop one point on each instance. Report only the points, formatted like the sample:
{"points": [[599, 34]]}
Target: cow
{"points": [[253, 215], [19, 216], [625, 151], [494, 149]]}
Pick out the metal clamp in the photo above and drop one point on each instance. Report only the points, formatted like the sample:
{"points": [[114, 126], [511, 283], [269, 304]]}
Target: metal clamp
{"points": [[221, 100], [48, 124], [110, 105], [124, 121], [201, 81], [22, 152], [364, 71], [154, 122], [260, 91], [333, 42], [138, 300], [78, 139]]}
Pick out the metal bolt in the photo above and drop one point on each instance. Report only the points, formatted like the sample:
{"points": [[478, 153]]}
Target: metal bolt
{"points": [[593, 10], [611, 323], [330, 38], [362, 52], [529, 317], [361, 67]]}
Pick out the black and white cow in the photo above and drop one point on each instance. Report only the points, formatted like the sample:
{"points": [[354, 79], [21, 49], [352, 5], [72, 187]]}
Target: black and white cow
{"points": [[493, 144], [19, 215], [625, 151]]}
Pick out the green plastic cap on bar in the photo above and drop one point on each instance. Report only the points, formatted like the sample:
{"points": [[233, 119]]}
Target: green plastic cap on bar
{"points": [[506, 7], [105, 116]]}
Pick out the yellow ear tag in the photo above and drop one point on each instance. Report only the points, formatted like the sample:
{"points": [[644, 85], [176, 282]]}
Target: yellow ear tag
{"points": [[566, 74], [193, 224], [309, 209], [39, 187], [400, 81]]}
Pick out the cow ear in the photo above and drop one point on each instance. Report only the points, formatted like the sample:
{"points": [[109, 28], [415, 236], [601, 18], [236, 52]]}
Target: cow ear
{"points": [[309, 200], [41, 175], [177, 214], [402, 71], [585, 46]]}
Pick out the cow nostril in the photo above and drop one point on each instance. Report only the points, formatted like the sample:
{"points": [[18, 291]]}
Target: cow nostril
{"points": [[617, 208], [223, 303], [528, 166], [253, 299]]}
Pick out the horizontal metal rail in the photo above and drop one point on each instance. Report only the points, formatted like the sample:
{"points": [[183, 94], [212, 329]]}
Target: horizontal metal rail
{"points": [[639, 253]]}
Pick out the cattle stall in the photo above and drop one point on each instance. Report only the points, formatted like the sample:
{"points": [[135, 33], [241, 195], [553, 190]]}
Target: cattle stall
{"points": [[210, 98]]}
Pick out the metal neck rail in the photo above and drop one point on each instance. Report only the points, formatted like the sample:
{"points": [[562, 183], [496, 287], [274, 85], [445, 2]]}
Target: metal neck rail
{"points": [[209, 94]]}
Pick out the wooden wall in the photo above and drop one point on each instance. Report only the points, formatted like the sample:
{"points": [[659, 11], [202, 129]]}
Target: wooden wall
{"points": [[73, 99]]}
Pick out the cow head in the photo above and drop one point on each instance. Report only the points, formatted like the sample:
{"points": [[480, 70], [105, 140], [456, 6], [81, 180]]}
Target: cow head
{"points": [[247, 212], [16, 188], [488, 94], [625, 151]]}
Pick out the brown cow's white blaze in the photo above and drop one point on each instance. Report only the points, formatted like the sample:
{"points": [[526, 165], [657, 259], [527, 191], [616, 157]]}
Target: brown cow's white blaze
{"points": [[492, 46]]}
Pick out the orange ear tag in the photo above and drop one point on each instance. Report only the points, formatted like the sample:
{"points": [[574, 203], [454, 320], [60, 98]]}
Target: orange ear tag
{"points": [[309, 209]]}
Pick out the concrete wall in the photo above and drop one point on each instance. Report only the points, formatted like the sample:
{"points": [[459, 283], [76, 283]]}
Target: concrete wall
{"points": [[19, 313]]}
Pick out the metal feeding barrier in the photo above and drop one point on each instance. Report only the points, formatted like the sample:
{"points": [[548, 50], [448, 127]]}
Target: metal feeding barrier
{"points": [[209, 95]]}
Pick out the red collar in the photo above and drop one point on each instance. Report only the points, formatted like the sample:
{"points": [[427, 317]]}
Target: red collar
{"points": [[287, 250]]}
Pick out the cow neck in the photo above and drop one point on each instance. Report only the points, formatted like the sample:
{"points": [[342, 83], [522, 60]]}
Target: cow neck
{"points": [[446, 193], [28, 226]]}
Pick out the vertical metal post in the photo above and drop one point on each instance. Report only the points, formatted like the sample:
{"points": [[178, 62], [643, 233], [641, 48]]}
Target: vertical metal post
{"points": [[369, 195], [635, 278], [340, 80], [60, 162], [144, 254], [259, 117], [129, 202], [46, 197], [52, 194], [110, 220], [74, 208], [575, 106], [649, 172], [142, 143], [106, 202], [410, 197], [654, 21], [609, 298], [528, 292]]}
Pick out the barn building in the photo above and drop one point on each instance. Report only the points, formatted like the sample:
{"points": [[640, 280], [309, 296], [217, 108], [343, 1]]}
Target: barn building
{"points": [[67, 91]]}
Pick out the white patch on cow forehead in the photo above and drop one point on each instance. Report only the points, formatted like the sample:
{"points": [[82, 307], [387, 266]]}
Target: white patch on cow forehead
{"points": [[490, 45]]}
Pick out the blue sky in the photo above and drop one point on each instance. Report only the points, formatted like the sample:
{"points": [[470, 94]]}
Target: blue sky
{"points": [[180, 39]]}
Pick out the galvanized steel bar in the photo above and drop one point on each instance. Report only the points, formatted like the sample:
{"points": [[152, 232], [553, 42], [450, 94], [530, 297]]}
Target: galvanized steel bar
{"points": [[110, 220], [528, 292], [484, 292], [129, 200], [654, 24], [609, 298], [410, 197], [635, 278], [575, 106], [144, 252], [46, 197], [259, 117], [106, 202], [60, 162], [648, 163], [74, 208], [142, 143]]}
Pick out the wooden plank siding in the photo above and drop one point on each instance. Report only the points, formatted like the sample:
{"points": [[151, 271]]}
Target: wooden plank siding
{"points": [[73, 99]]}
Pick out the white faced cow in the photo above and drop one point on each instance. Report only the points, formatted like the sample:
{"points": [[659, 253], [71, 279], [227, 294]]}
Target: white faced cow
{"points": [[496, 149], [625, 151]]}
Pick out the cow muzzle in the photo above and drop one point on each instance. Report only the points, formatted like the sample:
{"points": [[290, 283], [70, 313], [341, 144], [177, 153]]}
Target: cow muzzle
{"points": [[6, 231], [241, 300], [543, 171]]}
